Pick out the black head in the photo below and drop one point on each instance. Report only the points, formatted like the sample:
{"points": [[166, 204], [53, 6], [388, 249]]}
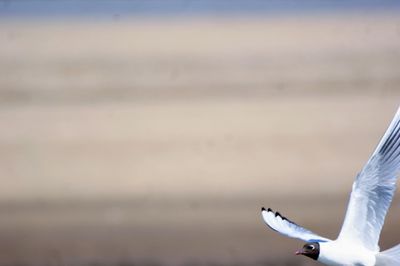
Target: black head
{"points": [[310, 250]]}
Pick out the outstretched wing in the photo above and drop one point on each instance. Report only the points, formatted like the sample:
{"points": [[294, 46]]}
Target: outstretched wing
{"points": [[373, 191], [288, 228]]}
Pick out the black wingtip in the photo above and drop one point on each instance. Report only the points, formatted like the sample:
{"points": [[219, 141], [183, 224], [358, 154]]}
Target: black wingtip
{"points": [[262, 209]]}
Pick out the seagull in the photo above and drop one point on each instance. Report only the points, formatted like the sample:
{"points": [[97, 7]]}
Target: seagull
{"points": [[371, 196]]}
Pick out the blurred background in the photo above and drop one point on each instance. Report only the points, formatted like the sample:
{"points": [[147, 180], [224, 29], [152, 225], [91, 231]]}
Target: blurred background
{"points": [[151, 132]]}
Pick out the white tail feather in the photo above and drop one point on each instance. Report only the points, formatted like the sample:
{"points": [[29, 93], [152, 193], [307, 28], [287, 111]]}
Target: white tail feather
{"points": [[389, 257]]}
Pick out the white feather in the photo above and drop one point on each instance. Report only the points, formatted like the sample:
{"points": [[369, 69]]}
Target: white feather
{"points": [[288, 228], [373, 191]]}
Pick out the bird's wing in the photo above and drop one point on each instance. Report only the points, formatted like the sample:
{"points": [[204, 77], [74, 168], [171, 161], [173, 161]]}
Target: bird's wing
{"points": [[373, 191], [288, 228]]}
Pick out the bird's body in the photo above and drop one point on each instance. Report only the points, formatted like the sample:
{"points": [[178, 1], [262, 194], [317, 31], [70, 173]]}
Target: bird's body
{"points": [[371, 196], [341, 253]]}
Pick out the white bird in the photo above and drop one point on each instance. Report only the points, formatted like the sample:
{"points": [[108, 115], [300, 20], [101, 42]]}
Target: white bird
{"points": [[373, 190]]}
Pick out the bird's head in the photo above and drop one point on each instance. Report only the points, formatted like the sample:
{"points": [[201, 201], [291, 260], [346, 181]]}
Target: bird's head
{"points": [[310, 249]]}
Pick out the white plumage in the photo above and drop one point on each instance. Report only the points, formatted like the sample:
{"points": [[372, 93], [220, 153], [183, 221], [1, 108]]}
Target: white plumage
{"points": [[373, 190]]}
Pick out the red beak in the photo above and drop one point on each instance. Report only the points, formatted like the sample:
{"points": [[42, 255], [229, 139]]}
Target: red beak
{"points": [[298, 252]]}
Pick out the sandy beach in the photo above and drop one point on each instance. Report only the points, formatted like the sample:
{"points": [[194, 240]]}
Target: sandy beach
{"points": [[156, 142]]}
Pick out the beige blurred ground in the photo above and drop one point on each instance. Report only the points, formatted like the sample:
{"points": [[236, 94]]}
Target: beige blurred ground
{"points": [[156, 142]]}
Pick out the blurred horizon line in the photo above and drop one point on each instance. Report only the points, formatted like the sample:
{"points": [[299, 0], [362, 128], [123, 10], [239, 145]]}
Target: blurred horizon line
{"points": [[163, 200], [121, 9]]}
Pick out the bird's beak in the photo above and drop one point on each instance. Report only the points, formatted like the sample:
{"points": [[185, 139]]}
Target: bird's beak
{"points": [[299, 252]]}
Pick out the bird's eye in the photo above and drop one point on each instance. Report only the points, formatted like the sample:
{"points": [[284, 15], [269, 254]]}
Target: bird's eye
{"points": [[309, 247]]}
